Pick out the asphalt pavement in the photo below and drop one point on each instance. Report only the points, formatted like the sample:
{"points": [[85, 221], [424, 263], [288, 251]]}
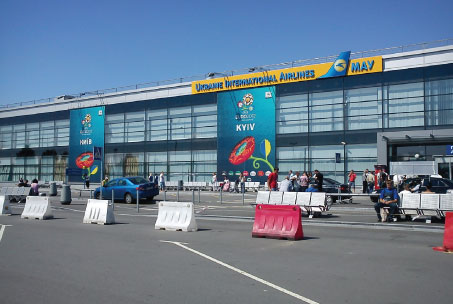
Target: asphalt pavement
{"points": [[345, 257]]}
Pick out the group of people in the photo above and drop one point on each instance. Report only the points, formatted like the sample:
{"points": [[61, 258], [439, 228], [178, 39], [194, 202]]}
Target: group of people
{"points": [[34, 185], [296, 182], [389, 197], [225, 185], [158, 179]]}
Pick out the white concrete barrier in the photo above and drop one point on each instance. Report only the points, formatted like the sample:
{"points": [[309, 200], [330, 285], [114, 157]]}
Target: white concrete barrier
{"points": [[37, 207], [4, 204], [99, 212], [176, 216]]}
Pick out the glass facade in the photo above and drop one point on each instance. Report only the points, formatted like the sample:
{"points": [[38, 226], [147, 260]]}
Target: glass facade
{"points": [[315, 120]]}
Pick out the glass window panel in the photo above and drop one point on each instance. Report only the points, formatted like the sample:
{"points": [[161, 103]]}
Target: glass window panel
{"points": [[292, 101], [176, 156], [406, 90], [363, 108], [134, 116], [62, 136], [296, 152], [292, 114], [62, 123], [161, 113], [295, 126], [32, 138], [405, 119], [203, 156], [156, 157], [47, 125], [364, 122], [180, 128], [114, 117], [6, 129], [5, 140], [326, 151], [325, 165], [326, 111], [325, 98], [368, 150], [329, 124], [439, 102], [157, 130], [181, 111], [205, 109], [133, 164], [33, 126], [20, 127], [47, 138], [363, 94], [439, 87], [439, 118], [406, 105]]}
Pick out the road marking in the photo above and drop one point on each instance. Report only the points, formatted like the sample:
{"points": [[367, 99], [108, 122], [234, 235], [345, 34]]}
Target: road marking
{"points": [[2, 230], [251, 276]]}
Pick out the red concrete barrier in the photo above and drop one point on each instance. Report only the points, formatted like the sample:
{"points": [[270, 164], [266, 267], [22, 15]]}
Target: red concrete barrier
{"points": [[281, 221], [448, 234]]}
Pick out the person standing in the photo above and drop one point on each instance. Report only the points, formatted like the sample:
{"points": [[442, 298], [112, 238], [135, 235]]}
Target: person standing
{"points": [[382, 178], [319, 179], [296, 182], [304, 182], [370, 182], [351, 180], [242, 183], [272, 180], [162, 181], [86, 177], [214, 181], [364, 182]]}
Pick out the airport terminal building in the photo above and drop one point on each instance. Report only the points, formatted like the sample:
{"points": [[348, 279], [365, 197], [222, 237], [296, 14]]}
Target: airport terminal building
{"points": [[334, 114]]}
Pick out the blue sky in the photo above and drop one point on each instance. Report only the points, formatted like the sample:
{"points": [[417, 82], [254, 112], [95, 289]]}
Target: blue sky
{"points": [[51, 48]]}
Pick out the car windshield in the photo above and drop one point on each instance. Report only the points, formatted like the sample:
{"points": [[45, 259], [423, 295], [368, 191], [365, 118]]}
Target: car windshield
{"points": [[137, 180]]}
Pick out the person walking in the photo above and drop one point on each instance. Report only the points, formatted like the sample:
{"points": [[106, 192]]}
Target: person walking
{"points": [[351, 180], [364, 182], [370, 182], [162, 181], [272, 180]]}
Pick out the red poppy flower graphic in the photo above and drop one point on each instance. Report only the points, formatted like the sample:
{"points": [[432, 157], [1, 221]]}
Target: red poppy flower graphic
{"points": [[85, 160], [242, 151]]}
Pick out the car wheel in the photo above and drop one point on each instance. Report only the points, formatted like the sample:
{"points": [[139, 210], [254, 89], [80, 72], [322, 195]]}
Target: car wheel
{"points": [[97, 195], [128, 198]]}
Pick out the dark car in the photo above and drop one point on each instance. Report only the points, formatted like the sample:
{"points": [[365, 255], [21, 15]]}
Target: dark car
{"points": [[439, 185], [332, 186], [126, 188]]}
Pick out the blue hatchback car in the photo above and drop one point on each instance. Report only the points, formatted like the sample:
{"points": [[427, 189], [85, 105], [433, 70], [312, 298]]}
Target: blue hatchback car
{"points": [[125, 188]]}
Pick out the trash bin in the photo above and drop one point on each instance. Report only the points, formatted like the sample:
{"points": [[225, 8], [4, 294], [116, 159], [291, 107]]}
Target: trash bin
{"points": [[180, 185], [53, 189], [65, 195]]}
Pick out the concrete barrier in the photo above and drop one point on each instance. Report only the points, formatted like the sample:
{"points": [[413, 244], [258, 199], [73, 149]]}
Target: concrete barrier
{"points": [[37, 207], [4, 204], [176, 216], [99, 212]]}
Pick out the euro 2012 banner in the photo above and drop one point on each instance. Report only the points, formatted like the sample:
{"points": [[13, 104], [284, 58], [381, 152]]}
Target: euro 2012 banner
{"points": [[246, 133], [87, 132]]}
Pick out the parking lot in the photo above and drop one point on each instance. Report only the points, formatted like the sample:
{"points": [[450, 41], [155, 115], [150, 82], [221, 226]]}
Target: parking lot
{"points": [[345, 257]]}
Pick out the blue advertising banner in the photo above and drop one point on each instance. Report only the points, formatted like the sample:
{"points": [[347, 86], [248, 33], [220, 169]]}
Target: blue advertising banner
{"points": [[87, 132], [246, 133]]}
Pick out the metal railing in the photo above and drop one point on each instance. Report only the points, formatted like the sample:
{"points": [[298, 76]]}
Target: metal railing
{"points": [[296, 63]]}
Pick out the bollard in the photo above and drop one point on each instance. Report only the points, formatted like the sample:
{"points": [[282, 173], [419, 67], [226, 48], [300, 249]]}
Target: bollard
{"points": [[91, 194], [138, 205], [243, 198], [165, 195], [193, 196], [113, 200], [100, 195], [53, 189], [199, 194], [65, 198], [177, 194], [221, 191]]}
